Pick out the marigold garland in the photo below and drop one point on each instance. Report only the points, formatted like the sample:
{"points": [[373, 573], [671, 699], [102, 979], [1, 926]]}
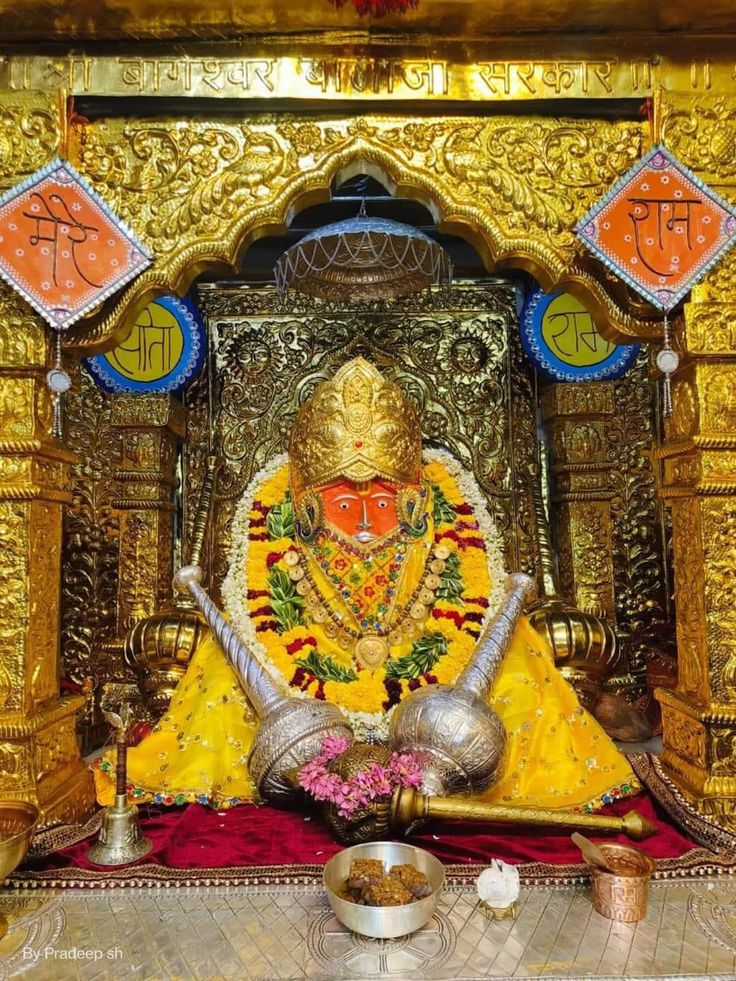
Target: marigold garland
{"points": [[303, 659]]}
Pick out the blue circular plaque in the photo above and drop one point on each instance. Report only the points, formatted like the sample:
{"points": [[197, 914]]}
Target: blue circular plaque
{"points": [[164, 351], [561, 339]]}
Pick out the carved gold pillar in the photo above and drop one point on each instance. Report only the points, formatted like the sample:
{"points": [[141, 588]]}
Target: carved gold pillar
{"points": [[576, 416], [699, 485], [145, 478], [39, 754]]}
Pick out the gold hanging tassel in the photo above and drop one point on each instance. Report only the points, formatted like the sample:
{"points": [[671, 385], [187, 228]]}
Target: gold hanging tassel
{"points": [[58, 382], [667, 362]]}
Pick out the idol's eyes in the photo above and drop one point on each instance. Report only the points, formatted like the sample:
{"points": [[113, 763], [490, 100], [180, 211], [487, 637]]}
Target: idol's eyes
{"points": [[381, 500], [344, 505]]}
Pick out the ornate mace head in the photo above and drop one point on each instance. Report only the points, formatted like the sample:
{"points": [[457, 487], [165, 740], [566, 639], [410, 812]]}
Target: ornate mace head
{"points": [[358, 426]]}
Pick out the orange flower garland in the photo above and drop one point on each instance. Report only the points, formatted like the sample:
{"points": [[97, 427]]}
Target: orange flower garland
{"points": [[304, 659]]}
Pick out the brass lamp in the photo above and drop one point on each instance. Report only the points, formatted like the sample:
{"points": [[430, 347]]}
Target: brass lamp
{"points": [[121, 841]]}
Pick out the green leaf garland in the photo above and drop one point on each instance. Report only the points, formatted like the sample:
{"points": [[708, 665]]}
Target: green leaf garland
{"points": [[286, 603], [280, 520], [451, 581], [325, 668], [442, 511], [425, 653]]}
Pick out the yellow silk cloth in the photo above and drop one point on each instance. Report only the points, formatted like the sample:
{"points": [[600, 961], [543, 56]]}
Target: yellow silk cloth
{"points": [[558, 756]]}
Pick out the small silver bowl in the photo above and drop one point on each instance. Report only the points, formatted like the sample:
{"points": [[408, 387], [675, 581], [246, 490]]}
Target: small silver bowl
{"points": [[387, 921]]}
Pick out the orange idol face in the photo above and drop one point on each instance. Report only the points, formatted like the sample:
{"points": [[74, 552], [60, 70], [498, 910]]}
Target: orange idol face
{"points": [[364, 511]]}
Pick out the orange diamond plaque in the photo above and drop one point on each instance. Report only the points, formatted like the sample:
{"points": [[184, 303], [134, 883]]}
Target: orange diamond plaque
{"points": [[659, 228], [62, 248]]}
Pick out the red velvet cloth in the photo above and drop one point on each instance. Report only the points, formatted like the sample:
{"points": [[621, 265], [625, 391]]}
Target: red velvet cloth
{"points": [[197, 837]]}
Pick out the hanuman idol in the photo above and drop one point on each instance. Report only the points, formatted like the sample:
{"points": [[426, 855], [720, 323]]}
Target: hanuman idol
{"points": [[363, 570]]}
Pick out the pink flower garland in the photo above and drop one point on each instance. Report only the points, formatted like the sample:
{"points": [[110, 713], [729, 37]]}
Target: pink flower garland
{"points": [[348, 796]]}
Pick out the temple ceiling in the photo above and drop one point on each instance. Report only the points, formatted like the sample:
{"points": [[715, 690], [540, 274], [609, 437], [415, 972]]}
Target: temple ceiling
{"points": [[37, 20]]}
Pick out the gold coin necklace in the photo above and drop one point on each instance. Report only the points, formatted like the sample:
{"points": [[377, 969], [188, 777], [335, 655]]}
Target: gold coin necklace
{"points": [[370, 649]]}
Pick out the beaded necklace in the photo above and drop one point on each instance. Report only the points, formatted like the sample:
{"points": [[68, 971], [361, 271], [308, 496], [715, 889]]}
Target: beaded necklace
{"points": [[369, 640]]}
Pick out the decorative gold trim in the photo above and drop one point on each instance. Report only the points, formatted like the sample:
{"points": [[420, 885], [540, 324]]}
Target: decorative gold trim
{"points": [[256, 175]]}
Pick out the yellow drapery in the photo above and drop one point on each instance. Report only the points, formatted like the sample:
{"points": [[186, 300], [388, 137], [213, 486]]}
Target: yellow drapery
{"points": [[557, 756]]}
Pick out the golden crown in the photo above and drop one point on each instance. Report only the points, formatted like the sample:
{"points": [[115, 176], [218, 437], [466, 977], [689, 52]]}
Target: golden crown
{"points": [[356, 426]]}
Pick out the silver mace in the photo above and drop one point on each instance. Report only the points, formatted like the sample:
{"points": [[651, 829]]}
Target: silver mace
{"points": [[291, 730], [459, 738], [121, 841]]}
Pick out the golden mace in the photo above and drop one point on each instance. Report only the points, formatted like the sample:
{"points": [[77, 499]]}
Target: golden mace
{"points": [[409, 808]]}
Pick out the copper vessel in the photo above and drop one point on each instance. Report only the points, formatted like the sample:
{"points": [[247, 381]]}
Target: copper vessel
{"points": [[622, 894]]}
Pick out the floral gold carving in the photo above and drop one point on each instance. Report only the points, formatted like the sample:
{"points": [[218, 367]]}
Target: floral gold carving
{"points": [[640, 569], [91, 537], [14, 598], [687, 737], [720, 399], [137, 595], [689, 598], [457, 356], [719, 535], [710, 328], [701, 131], [591, 557], [12, 769], [195, 190], [684, 409], [16, 407], [23, 341], [723, 741], [29, 133]]}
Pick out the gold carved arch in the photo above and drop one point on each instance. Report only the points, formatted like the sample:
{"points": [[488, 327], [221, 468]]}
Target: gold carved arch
{"points": [[200, 191]]}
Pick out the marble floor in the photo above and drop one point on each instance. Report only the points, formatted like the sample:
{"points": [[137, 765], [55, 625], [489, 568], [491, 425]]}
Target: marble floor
{"points": [[270, 933]]}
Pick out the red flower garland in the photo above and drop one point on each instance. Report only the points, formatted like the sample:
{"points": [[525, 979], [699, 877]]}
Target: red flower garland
{"points": [[377, 8]]}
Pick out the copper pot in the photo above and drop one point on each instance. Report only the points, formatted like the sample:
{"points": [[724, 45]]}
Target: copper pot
{"points": [[622, 894]]}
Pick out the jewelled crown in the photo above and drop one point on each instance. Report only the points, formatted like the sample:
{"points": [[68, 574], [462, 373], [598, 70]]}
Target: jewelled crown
{"points": [[356, 426]]}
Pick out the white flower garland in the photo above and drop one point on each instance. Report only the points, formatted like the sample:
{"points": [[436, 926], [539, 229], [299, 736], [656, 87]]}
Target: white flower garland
{"points": [[472, 493], [367, 726], [235, 587]]}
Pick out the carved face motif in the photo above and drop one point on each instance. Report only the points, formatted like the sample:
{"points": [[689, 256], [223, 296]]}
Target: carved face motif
{"points": [[364, 511]]}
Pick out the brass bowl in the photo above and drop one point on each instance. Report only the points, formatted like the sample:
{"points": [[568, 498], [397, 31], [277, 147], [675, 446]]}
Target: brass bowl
{"points": [[389, 921], [18, 821]]}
